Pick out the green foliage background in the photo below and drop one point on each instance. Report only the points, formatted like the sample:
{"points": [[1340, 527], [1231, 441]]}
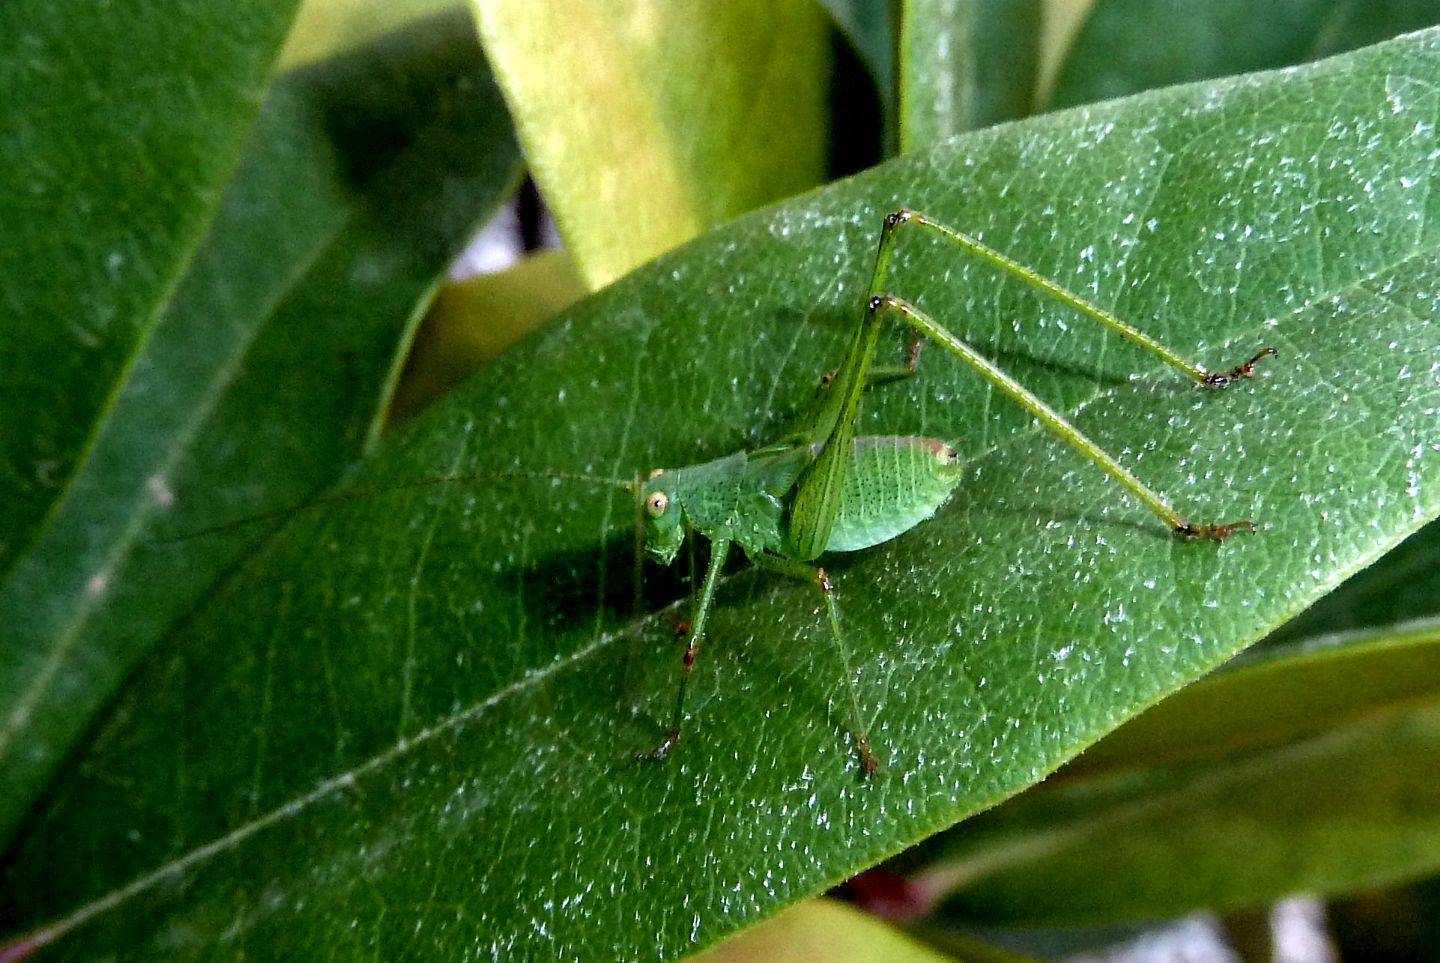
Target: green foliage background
{"points": [[403, 724]]}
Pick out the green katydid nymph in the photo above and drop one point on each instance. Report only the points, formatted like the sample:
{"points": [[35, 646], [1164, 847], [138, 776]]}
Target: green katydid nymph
{"points": [[822, 489]]}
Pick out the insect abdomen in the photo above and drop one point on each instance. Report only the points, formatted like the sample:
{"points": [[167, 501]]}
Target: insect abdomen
{"points": [[892, 483]]}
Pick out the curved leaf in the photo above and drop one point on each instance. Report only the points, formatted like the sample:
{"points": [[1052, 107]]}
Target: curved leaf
{"points": [[710, 109], [325, 28], [270, 363], [1283, 696], [117, 130], [407, 727]]}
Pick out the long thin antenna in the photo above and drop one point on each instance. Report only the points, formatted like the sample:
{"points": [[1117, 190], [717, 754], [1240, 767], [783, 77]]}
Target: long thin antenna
{"points": [[354, 494]]}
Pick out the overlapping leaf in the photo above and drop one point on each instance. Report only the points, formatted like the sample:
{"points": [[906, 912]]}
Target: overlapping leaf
{"points": [[646, 123], [1308, 771], [270, 363], [90, 252]]}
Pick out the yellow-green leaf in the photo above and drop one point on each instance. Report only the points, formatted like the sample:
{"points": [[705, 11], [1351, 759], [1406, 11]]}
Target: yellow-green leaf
{"points": [[646, 123]]}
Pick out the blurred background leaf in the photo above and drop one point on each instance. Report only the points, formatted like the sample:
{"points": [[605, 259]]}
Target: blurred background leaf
{"points": [[472, 321], [647, 122], [1126, 46], [91, 251], [269, 366]]}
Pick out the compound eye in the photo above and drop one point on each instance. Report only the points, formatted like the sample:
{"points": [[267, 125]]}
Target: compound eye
{"points": [[655, 504]]}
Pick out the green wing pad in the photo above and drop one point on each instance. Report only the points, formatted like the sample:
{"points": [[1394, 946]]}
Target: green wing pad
{"points": [[892, 483]]}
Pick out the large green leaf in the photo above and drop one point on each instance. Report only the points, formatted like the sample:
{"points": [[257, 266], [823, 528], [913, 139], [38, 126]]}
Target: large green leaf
{"points": [[360, 180], [646, 123], [406, 728], [117, 128]]}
